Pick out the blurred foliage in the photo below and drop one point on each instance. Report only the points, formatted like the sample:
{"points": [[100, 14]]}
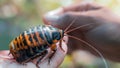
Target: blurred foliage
{"points": [[19, 15]]}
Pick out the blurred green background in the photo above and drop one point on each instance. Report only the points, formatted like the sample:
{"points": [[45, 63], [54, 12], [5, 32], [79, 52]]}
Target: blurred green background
{"points": [[17, 16]]}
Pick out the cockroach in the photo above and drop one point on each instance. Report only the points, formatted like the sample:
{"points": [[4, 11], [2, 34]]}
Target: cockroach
{"points": [[35, 42]]}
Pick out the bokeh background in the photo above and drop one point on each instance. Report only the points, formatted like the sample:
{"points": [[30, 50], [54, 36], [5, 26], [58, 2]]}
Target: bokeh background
{"points": [[19, 15]]}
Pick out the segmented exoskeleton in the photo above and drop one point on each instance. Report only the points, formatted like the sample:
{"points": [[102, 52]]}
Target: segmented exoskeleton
{"points": [[35, 42]]}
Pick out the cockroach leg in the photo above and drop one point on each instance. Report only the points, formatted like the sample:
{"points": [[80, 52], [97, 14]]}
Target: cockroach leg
{"points": [[39, 60], [54, 51]]}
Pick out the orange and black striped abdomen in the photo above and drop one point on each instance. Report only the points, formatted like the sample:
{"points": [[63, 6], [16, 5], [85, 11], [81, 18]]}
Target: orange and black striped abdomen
{"points": [[34, 42]]}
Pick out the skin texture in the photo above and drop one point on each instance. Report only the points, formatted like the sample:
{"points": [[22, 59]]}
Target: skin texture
{"points": [[103, 33], [7, 61]]}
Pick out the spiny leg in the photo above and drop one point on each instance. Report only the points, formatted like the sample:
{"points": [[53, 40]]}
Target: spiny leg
{"points": [[39, 60], [42, 56], [53, 48], [54, 51]]}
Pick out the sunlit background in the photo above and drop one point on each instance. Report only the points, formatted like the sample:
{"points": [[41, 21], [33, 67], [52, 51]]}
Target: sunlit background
{"points": [[19, 15]]}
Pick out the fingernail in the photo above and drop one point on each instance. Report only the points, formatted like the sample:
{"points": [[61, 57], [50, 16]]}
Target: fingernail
{"points": [[53, 16]]}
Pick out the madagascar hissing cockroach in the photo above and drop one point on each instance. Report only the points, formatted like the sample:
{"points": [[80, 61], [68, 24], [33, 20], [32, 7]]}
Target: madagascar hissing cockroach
{"points": [[35, 42]]}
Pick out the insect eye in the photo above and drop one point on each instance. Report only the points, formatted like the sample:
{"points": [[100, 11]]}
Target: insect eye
{"points": [[56, 35]]}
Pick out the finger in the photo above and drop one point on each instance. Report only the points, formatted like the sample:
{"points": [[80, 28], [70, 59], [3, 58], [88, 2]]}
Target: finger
{"points": [[5, 54], [65, 39], [78, 19], [83, 6], [57, 59]]}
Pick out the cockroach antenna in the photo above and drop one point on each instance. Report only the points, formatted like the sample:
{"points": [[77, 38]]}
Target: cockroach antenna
{"points": [[95, 49]]}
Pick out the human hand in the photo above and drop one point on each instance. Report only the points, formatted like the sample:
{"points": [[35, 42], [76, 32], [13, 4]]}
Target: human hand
{"points": [[103, 34], [7, 62]]}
